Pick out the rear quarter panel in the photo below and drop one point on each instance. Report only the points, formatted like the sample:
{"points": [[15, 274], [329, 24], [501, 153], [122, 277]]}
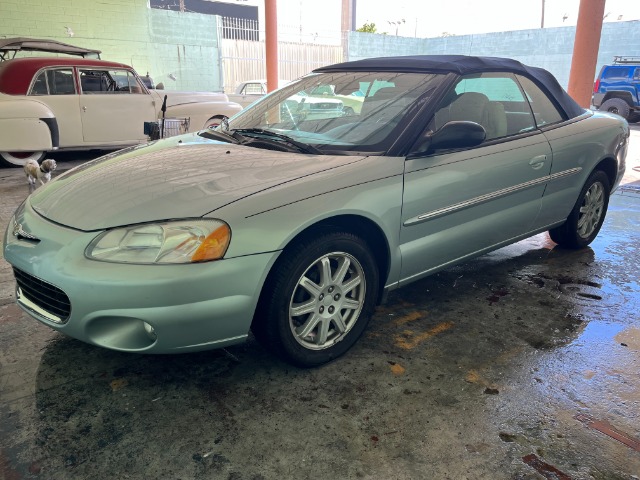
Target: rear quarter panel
{"points": [[582, 144]]}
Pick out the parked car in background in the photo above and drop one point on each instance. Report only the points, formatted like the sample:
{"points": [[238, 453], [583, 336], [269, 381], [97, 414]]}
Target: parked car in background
{"points": [[352, 101], [148, 81], [251, 90], [296, 227], [302, 105], [617, 88], [56, 103]]}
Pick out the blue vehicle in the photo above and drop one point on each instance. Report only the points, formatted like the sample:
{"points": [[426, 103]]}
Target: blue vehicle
{"points": [[616, 88]]}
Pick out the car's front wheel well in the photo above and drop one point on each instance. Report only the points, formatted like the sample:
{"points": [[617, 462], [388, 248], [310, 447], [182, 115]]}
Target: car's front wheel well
{"points": [[367, 230], [609, 167], [364, 228], [626, 96], [214, 121]]}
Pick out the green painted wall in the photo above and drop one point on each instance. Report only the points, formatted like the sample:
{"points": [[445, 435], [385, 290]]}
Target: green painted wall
{"points": [[163, 43]]}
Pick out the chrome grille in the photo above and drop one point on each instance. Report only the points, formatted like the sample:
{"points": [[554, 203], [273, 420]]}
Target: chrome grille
{"points": [[42, 298]]}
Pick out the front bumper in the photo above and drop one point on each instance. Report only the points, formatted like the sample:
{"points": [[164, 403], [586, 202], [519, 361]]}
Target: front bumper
{"points": [[137, 308]]}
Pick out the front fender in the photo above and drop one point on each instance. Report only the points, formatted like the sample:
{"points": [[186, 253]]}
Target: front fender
{"points": [[27, 125]]}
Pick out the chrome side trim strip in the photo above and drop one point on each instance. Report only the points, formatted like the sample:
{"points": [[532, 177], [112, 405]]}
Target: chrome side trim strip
{"points": [[424, 217]]}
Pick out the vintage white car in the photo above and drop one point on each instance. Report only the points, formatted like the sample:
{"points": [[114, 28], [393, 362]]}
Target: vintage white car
{"points": [[51, 103], [251, 90], [302, 105]]}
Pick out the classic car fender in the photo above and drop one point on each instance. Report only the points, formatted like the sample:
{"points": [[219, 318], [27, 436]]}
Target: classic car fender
{"points": [[200, 112], [26, 125]]}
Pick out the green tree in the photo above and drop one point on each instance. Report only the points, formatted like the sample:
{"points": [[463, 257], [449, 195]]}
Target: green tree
{"points": [[368, 28]]}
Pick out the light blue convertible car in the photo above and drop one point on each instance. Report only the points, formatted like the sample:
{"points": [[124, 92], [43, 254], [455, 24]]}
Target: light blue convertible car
{"points": [[296, 227]]}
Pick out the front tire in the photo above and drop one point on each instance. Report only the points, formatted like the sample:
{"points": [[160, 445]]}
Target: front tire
{"points": [[318, 299], [587, 216], [18, 159]]}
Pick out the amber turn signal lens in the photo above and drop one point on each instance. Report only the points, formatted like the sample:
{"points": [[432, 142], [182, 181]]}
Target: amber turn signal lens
{"points": [[214, 246]]}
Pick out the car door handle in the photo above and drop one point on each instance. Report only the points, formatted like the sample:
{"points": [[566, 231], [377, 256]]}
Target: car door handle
{"points": [[538, 162]]}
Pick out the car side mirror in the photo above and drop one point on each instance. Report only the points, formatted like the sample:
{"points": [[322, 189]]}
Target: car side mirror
{"points": [[458, 134], [455, 134]]}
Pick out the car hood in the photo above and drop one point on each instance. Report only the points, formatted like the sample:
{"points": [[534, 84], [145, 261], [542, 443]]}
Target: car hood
{"points": [[179, 177]]}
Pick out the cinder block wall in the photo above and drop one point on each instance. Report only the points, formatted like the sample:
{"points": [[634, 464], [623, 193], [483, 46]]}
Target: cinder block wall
{"points": [[549, 48], [161, 42], [185, 45]]}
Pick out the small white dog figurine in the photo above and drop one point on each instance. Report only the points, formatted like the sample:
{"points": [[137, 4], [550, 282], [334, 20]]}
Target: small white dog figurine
{"points": [[41, 173]]}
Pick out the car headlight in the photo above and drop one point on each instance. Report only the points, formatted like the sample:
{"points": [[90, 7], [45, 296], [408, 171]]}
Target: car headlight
{"points": [[185, 241]]}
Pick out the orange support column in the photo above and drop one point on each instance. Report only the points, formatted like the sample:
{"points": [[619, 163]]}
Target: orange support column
{"points": [[585, 51], [271, 43]]}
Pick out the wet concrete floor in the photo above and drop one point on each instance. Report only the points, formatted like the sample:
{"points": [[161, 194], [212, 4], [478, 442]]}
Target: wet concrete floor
{"points": [[522, 364]]}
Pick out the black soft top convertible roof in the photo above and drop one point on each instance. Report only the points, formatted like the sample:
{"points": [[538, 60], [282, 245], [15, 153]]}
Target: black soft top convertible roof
{"points": [[462, 65], [10, 46]]}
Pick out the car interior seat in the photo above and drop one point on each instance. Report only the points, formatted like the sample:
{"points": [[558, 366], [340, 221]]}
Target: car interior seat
{"points": [[377, 102], [496, 120], [476, 107], [385, 104]]}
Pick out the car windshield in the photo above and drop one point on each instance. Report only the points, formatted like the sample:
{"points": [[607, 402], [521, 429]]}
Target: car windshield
{"points": [[335, 112]]}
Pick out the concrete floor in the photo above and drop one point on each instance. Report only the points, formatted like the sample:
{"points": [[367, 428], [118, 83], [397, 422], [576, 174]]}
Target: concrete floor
{"points": [[522, 364]]}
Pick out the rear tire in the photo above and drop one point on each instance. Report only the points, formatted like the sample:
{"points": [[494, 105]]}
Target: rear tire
{"points": [[618, 106], [587, 216], [18, 159], [318, 299]]}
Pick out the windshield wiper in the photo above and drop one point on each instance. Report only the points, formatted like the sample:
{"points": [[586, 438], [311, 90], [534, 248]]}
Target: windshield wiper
{"points": [[219, 135], [303, 147]]}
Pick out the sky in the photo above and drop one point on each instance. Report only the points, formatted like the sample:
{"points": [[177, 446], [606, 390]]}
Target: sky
{"points": [[434, 18], [427, 18]]}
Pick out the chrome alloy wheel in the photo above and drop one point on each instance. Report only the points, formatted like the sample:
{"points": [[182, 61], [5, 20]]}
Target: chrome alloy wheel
{"points": [[327, 300], [591, 210]]}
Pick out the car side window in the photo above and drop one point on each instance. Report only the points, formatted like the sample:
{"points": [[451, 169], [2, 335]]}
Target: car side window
{"points": [[109, 82], [493, 100], [57, 81], [636, 74], [617, 72], [544, 111], [40, 85]]}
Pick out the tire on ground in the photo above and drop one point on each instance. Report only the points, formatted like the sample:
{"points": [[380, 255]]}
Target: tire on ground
{"points": [[616, 105], [18, 159], [318, 298], [586, 217]]}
